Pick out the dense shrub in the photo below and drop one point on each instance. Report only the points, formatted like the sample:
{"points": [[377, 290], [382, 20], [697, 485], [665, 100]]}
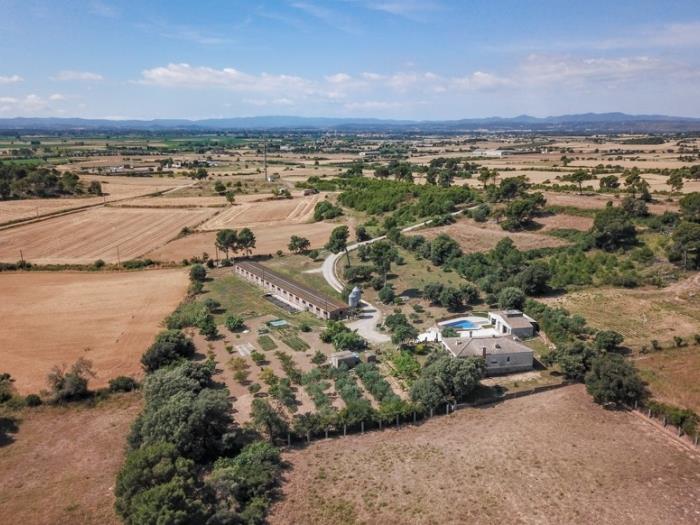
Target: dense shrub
{"points": [[169, 346], [123, 384], [611, 379]]}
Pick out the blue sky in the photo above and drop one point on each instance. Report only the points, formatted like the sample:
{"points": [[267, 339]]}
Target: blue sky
{"points": [[416, 59]]}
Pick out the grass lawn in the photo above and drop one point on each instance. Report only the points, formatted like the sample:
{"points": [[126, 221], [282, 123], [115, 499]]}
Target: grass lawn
{"points": [[303, 270], [241, 298]]}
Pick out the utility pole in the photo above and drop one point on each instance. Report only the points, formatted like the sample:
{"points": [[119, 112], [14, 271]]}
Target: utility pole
{"points": [[265, 160]]}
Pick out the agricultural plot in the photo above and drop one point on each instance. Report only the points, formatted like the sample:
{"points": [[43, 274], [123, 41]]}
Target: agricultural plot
{"points": [[672, 375], [288, 211], [101, 233], [597, 201], [50, 319], [554, 457]]}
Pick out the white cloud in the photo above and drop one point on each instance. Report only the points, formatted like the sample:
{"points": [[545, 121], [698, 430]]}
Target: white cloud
{"points": [[103, 9], [68, 75], [677, 35], [10, 79], [27, 105], [56, 97], [338, 78]]}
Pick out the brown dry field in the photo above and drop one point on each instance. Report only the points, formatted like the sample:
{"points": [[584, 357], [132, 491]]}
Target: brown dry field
{"points": [[63, 462], [173, 202], [284, 211], [269, 238], [475, 237], [672, 375], [83, 237], [52, 318], [554, 457], [562, 221], [640, 314], [115, 188], [597, 201]]}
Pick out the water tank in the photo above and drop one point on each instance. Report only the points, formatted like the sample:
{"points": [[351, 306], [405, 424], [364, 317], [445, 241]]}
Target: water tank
{"points": [[354, 297]]}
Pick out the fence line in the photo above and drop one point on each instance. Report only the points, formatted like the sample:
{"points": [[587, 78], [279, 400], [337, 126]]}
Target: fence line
{"points": [[361, 427], [672, 430]]}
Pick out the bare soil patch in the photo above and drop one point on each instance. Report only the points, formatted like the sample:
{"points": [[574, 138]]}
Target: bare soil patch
{"points": [[565, 222], [598, 201], [109, 318], [101, 233], [62, 465], [554, 457], [473, 237]]}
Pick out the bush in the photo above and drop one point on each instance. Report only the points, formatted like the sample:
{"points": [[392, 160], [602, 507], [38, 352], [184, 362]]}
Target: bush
{"points": [[32, 400], [325, 210], [123, 384], [313, 254], [511, 298], [611, 379], [72, 384], [198, 273], [234, 323], [386, 294], [481, 213], [608, 340], [169, 346]]}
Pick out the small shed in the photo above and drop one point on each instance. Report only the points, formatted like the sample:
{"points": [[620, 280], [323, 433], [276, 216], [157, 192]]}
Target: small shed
{"points": [[346, 357]]}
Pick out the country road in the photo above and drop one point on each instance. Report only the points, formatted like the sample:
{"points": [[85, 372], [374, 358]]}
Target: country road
{"points": [[370, 316]]}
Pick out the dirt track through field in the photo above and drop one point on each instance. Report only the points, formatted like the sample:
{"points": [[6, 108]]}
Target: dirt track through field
{"points": [[53, 318], [554, 457]]}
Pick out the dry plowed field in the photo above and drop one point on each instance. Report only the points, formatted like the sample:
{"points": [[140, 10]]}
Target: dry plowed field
{"points": [[110, 318], [594, 202], [269, 238], [63, 462], [83, 237], [473, 237], [550, 458], [286, 211]]}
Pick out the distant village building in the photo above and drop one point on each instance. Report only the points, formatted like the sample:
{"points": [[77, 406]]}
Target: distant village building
{"points": [[291, 292], [513, 322], [503, 355], [492, 153]]}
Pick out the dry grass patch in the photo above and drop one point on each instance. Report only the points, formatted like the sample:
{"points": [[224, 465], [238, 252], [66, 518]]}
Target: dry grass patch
{"points": [[109, 318], [553, 458]]}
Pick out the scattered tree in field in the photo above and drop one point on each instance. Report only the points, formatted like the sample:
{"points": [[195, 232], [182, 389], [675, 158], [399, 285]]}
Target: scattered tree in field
{"points": [[608, 340], [382, 254], [71, 384], [198, 273], [95, 187], [298, 244], [609, 182], [226, 240], [387, 294], [685, 248], [690, 206], [325, 210], [234, 322], [6, 387], [611, 379], [338, 241], [447, 380], [675, 180], [230, 197], [246, 241]]}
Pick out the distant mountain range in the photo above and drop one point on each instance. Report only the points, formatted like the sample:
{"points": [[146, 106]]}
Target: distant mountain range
{"points": [[580, 123]]}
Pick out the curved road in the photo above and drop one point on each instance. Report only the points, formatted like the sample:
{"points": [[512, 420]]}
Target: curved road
{"points": [[370, 316]]}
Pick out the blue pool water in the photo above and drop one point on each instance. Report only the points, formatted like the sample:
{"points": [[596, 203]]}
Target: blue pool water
{"points": [[462, 324]]}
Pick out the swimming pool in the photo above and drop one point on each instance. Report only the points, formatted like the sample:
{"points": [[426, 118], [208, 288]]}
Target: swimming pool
{"points": [[462, 324]]}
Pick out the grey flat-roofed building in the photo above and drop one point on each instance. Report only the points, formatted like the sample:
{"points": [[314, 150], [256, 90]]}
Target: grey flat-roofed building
{"points": [[345, 357], [512, 322], [503, 355], [290, 291]]}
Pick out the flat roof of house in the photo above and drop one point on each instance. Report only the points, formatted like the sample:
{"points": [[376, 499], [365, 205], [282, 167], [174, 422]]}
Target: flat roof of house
{"points": [[473, 346], [315, 298], [513, 318]]}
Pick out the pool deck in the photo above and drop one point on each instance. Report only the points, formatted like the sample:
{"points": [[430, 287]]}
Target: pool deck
{"points": [[434, 333]]}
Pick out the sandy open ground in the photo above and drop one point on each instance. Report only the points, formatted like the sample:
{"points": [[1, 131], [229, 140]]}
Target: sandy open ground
{"points": [[594, 202], [475, 237], [562, 221], [110, 318], [62, 465], [269, 239], [83, 237], [250, 214], [554, 457]]}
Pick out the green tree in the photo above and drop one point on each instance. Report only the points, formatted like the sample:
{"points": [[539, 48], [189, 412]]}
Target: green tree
{"points": [[168, 347], [338, 241], [511, 298], [579, 177], [382, 254], [608, 340], [611, 379], [246, 241], [198, 273], [685, 248], [690, 206], [298, 244], [71, 384], [267, 420], [226, 240], [675, 180], [612, 229], [230, 197], [387, 294]]}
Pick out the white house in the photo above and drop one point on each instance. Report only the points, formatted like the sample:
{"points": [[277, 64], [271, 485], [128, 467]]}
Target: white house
{"points": [[503, 355], [512, 322]]}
